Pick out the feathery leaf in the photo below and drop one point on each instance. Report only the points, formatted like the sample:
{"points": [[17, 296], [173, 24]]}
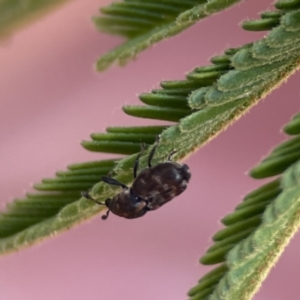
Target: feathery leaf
{"points": [[256, 233], [15, 13], [144, 23], [222, 92]]}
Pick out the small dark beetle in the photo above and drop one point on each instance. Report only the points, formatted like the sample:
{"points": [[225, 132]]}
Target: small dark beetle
{"points": [[152, 188]]}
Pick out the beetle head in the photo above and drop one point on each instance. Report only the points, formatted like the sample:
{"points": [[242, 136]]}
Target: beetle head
{"points": [[108, 202]]}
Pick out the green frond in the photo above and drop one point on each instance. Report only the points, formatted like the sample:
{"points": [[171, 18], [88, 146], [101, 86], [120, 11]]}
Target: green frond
{"points": [[146, 22], [15, 13], [256, 232], [208, 100], [293, 127]]}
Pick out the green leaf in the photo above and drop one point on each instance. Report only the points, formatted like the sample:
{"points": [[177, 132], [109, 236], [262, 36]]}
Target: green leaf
{"points": [[256, 234], [229, 87], [293, 127], [16, 13], [251, 260], [147, 22]]}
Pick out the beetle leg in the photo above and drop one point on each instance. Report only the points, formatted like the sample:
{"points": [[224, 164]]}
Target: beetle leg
{"points": [[171, 154], [153, 151], [147, 204], [104, 217], [136, 163], [87, 196], [113, 182]]}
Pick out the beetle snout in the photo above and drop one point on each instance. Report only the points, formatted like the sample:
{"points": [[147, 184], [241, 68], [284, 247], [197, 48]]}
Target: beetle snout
{"points": [[107, 202]]}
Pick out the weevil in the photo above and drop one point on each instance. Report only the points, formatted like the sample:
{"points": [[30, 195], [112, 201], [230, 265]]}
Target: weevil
{"points": [[152, 187]]}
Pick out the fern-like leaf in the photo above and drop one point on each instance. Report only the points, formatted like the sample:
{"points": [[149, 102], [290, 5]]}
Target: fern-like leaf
{"points": [[15, 13], [204, 104], [144, 23], [257, 232]]}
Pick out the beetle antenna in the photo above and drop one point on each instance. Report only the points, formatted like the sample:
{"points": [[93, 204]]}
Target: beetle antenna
{"points": [[104, 217], [87, 196], [113, 182]]}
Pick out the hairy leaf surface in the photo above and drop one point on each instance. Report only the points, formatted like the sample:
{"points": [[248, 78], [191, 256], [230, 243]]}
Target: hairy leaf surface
{"points": [[144, 23], [208, 100]]}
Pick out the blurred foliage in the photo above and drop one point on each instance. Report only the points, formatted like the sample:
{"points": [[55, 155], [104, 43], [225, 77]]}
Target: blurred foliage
{"points": [[14, 14]]}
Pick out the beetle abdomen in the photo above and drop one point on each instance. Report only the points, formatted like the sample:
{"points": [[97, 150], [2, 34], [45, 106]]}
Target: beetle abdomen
{"points": [[161, 183]]}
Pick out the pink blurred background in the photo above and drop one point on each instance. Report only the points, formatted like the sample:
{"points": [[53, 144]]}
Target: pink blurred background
{"points": [[51, 99]]}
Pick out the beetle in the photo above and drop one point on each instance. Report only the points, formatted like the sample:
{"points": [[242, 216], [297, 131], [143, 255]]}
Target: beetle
{"points": [[152, 187]]}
